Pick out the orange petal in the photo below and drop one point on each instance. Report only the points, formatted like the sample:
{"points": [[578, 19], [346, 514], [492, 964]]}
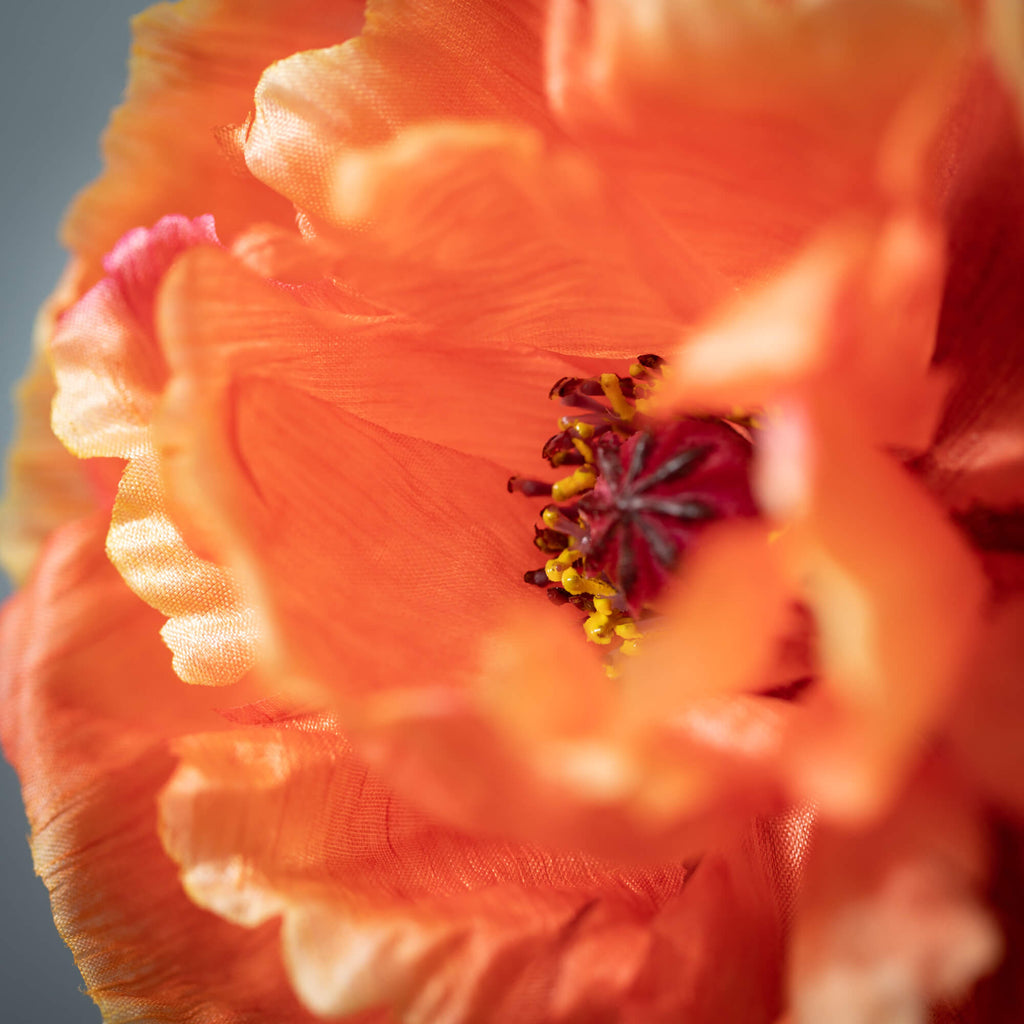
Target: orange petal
{"points": [[896, 593], [110, 372], [107, 362], [193, 71], [395, 551], [858, 305], [89, 703], [1004, 31], [724, 621], [45, 487], [486, 229], [979, 450], [988, 719], [418, 543], [479, 395], [382, 906], [891, 920], [739, 128], [212, 632], [409, 65]]}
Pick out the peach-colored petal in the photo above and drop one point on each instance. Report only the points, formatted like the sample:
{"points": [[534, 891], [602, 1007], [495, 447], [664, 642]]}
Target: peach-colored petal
{"points": [[723, 624], [193, 71], [107, 364], [212, 633], [488, 228], [109, 372], [411, 64], [1004, 31], [303, 472], [382, 906], [481, 395], [890, 920], [859, 304], [45, 486], [896, 593], [89, 703], [733, 128]]}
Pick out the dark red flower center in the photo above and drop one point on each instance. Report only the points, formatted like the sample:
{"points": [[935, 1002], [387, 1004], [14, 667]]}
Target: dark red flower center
{"points": [[641, 491]]}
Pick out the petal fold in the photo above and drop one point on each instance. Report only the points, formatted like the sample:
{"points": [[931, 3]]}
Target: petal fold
{"points": [[89, 704]]}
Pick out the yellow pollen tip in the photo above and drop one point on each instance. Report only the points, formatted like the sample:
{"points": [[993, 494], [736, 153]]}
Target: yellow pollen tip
{"points": [[598, 629], [575, 583], [628, 630], [584, 449], [581, 480], [555, 568], [613, 392]]}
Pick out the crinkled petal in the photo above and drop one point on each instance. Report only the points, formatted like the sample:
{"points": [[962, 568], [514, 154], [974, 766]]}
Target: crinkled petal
{"points": [[732, 128], [110, 372], [106, 360], [488, 228], [89, 703], [890, 921], [413, 63], [858, 304], [194, 68], [45, 486], [482, 395], [896, 592], [979, 449], [382, 906], [211, 631]]}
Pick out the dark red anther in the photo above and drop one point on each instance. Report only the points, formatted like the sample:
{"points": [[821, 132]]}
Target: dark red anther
{"points": [[536, 577], [653, 495], [649, 361], [560, 451], [531, 488], [551, 542]]}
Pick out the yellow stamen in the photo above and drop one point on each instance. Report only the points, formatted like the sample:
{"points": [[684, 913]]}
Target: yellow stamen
{"points": [[581, 480], [628, 630], [584, 449], [613, 392], [551, 517], [555, 567], [577, 584], [597, 628]]}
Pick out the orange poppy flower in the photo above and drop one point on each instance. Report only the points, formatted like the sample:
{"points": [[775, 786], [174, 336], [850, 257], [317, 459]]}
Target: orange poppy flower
{"points": [[428, 774]]}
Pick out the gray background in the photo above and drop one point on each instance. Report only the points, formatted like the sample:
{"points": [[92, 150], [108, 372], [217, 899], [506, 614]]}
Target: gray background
{"points": [[62, 67]]}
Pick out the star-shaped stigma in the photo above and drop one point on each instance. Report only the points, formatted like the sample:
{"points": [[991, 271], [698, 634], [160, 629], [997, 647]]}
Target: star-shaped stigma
{"points": [[653, 494], [637, 491]]}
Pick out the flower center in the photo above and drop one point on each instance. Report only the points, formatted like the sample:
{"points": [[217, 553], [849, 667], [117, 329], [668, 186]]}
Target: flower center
{"points": [[640, 492]]}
